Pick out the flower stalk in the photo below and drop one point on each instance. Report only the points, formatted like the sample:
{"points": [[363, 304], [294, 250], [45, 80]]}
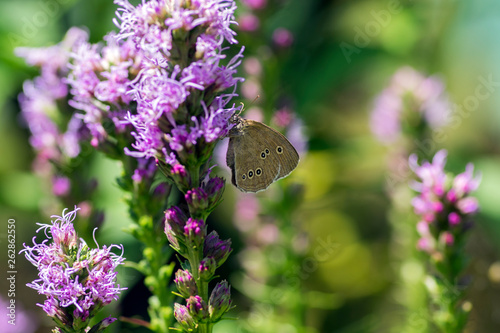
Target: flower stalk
{"points": [[181, 114], [100, 78], [445, 207]]}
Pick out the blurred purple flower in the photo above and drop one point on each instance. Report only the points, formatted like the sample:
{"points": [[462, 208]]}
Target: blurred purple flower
{"points": [[282, 37], [14, 318], [248, 22], [255, 4], [252, 66], [409, 94], [40, 97], [246, 211], [100, 80], [61, 185]]}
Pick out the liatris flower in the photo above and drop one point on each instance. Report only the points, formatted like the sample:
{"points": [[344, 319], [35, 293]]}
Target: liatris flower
{"points": [[181, 106], [445, 209], [409, 101], [182, 92], [444, 203], [100, 80], [77, 280], [54, 138], [189, 237]]}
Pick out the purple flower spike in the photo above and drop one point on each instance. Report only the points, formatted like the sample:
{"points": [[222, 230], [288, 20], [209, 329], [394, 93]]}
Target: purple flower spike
{"points": [[71, 274], [40, 103], [411, 96], [443, 204]]}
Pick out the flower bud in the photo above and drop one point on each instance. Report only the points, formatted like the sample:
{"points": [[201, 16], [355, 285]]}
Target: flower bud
{"points": [[207, 268], [181, 176], [197, 308], [102, 325], [176, 219], [183, 316], [205, 198], [185, 283], [197, 200], [214, 189], [217, 248], [195, 231], [172, 238], [220, 301]]}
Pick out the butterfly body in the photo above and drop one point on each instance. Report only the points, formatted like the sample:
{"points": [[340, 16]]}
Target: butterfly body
{"points": [[258, 155]]}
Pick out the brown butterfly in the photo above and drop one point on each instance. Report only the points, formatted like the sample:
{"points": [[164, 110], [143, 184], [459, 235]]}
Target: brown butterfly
{"points": [[258, 155]]}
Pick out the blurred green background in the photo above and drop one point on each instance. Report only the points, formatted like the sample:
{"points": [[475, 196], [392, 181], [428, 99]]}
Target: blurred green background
{"points": [[334, 77]]}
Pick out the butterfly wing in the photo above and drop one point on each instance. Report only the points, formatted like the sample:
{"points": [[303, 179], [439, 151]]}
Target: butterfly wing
{"points": [[259, 155], [287, 156]]}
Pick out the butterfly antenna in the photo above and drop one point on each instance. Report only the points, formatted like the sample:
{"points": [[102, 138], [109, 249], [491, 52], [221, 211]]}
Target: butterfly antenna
{"points": [[243, 104], [242, 108]]}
